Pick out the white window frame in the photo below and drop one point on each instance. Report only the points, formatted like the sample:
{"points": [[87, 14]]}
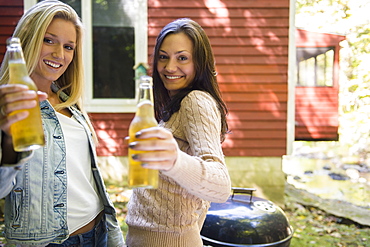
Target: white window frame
{"points": [[141, 56]]}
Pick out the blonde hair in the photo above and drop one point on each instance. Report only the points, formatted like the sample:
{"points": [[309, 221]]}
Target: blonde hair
{"points": [[31, 30]]}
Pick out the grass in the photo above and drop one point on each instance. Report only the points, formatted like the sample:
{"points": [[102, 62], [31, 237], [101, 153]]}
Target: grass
{"points": [[316, 228], [120, 197]]}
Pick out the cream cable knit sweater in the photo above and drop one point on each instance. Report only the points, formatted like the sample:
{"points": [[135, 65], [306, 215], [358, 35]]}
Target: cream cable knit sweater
{"points": [[173, 214]]}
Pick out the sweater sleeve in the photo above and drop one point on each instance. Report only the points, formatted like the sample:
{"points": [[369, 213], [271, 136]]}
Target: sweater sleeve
{"points": [[201, 169]]}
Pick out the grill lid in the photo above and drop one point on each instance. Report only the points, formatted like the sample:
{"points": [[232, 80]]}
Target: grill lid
{"points": [[245, 220]]}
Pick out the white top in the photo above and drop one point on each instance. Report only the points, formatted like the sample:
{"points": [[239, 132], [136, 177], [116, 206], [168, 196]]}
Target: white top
{"points": [[83, 202]]}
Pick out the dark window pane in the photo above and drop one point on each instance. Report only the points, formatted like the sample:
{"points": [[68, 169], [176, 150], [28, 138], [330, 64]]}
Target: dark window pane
{"points": [[113, 61], [113, 49], [315, 66], [76, 4]]}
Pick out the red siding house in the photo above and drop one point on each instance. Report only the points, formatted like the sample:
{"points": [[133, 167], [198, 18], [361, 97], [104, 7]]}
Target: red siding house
{"points": [[10, 12], [316, 96], [251, 42]]}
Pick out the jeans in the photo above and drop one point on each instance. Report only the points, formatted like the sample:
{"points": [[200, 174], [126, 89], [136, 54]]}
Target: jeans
{"points": [[96, 237]]}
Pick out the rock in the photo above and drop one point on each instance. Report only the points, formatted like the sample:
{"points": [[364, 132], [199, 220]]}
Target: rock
{"points": [[337, 176], [327, 167], [308, 173], [361, 168], [335, 207]]}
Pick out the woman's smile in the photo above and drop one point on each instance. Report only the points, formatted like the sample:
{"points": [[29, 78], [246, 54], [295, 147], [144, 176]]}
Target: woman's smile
{"points": [[173, 77], [52, 64]]}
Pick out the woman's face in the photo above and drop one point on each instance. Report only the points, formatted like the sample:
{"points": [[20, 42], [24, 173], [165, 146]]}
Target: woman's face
{"points": [[57, 51], [175, 62]]}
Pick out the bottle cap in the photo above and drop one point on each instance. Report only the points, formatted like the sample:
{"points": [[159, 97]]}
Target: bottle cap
{"points": [[13, 40]]}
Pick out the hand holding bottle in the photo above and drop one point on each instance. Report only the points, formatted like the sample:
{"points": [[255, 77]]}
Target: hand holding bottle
{"points": [[27, 133], [14, 97], [162, 147]]}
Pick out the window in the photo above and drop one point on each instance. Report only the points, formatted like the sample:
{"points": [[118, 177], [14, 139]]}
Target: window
{"points": [[114, 29], [315, 66]]}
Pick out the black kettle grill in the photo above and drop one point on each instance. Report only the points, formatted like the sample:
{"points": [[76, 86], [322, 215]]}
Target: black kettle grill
{"points": [[245, 220]]}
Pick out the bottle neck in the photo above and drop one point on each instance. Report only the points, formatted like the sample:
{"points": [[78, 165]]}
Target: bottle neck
{"points": [[15, 51], [16, 61], [145, 106], [145, 93]]}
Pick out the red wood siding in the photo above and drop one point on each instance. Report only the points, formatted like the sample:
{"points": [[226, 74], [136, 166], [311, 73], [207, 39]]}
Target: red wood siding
{"points": [[111, 128], [317, 116], [250, 42], [10, 13]]}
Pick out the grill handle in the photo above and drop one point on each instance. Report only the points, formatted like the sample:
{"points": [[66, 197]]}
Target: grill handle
{"points": [[237, 190]]}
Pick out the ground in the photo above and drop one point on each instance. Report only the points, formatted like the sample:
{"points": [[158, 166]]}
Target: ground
{"points": [[316, 228], [312, 226]]}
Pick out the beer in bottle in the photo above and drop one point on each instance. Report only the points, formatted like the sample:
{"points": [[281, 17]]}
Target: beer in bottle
{"points": [[27, 134], [144, 118]]}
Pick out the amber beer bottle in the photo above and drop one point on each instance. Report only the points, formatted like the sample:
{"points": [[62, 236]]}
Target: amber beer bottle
{"points": [[144, 118], [27, 134]]}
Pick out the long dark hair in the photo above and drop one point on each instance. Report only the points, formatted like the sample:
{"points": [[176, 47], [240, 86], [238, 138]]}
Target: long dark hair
{"points": [[205, 73]]}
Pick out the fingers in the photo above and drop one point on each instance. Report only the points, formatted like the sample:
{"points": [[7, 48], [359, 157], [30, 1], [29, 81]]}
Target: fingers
{"points": [[160, 160], [14, 92], [14, 97], [18, 96], [42, 96], [8, 108], [154, 132], [11, 88], [153, 145], [160, 146]]}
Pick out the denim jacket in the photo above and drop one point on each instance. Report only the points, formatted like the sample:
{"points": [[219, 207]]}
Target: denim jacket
{"points": [[41, 216]]}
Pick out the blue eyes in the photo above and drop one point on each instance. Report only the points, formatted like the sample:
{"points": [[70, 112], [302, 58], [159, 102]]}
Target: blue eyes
{"points": [[69, 47], [50, 41], [46, 40]]}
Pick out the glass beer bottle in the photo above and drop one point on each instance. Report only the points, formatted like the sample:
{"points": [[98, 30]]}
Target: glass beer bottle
{"points": [[27, 134], [144, 118]]}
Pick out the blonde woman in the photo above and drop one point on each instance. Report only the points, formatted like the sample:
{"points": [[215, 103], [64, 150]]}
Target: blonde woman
{"points": [[55, 195]]}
